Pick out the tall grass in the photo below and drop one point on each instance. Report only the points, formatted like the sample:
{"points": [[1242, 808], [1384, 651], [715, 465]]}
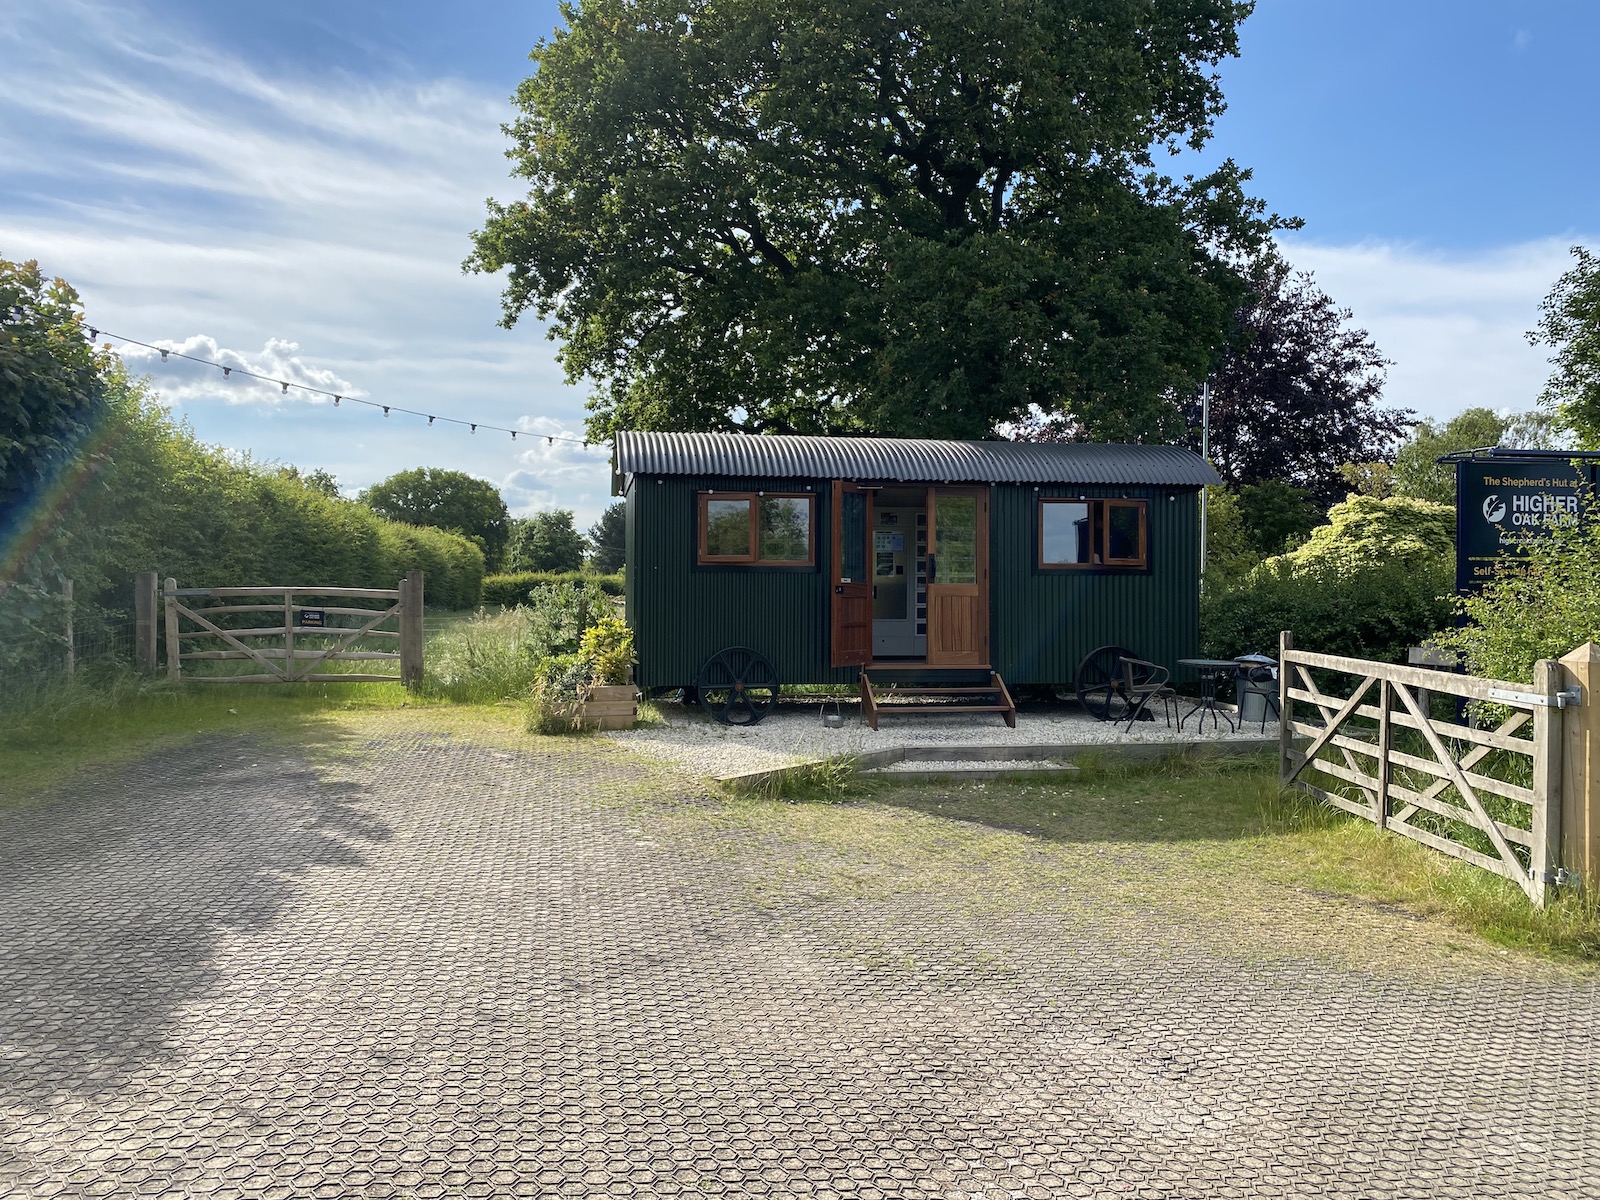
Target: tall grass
{"points": [[490, 656]]}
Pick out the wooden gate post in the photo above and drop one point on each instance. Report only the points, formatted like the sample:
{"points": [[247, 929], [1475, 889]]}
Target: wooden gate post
{"points": [[171, 590], [144, 622], [411, 630], [1548, 733], [1285, 729], [1580, 767]]}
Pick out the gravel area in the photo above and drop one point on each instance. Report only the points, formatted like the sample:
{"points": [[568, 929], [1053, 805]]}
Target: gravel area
{"points": [[794, 733], [957, 766]]}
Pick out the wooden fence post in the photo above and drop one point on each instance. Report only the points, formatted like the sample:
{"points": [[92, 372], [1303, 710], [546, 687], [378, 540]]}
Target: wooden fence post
{"points": [[1580, 767], [66, 596], [1545, 852], [1285, 730], [144, 622], [1380, 797], [411, 640], [289, 673], [172, 629]]}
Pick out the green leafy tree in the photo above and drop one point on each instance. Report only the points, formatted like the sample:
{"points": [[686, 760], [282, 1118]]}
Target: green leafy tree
{"points": [[922, 218], [450, 500], [1276, 516], [1569, 323], [52, 394], [317, 480], [608, 539], [546, 541], [1419, 475], [1228, 549]]}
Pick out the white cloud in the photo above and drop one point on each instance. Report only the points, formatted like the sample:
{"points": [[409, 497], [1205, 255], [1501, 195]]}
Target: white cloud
{"points": [[182, 378], [1454, 323], [323, 219]]}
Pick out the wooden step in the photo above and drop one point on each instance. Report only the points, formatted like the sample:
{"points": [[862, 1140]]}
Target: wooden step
{"points": [[873, 706], [900, 710]]}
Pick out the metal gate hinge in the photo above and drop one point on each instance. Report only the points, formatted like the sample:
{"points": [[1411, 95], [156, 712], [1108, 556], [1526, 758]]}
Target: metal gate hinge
{"points": [[1558, 876], [1570, 698]]}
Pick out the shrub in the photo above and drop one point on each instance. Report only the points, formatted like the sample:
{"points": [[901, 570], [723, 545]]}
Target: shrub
{"points": [[559, 614], [1374, 580], [1541, 606], [508, 591], [553, 707], [1375, 612], [608, 645]]}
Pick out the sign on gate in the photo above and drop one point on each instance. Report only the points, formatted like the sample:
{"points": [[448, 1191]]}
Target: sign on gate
{"points": [[1503, 500]]}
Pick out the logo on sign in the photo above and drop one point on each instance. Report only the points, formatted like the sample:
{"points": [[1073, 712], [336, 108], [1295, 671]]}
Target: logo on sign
{"points": [[1494, 509]]}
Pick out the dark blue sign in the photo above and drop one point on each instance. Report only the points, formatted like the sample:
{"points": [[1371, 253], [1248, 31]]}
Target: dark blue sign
{"points": [[1503, 503], [313, 618]]}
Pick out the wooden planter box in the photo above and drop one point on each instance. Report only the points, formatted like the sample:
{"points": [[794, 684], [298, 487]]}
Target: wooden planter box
{"points": [[609, 707]]}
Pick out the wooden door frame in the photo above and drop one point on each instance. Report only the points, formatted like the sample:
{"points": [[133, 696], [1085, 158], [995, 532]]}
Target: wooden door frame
{"points": [[860, 589], [981, 493]]}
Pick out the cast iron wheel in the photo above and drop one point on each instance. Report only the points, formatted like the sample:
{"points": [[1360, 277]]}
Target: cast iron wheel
{"points": [[737, 686], [1099, 681]]}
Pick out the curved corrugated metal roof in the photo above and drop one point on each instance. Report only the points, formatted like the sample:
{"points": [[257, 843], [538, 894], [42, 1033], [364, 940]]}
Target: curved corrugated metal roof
{"points": [[918, 460]]}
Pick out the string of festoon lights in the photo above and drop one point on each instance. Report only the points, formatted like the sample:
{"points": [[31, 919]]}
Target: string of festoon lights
{"points": [[337, 397]]}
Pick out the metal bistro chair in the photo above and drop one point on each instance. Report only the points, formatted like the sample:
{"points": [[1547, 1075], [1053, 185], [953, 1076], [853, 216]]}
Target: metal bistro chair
{"points": [[1143, 682], [1261, 680]]}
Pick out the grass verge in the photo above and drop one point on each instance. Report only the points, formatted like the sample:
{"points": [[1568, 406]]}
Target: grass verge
{"points": [[119, 717], [1212, 841]]}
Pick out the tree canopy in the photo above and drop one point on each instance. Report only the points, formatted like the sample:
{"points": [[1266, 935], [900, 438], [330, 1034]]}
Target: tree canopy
{"points": [[450, 500], [1296, 396], [847, 216], [52, 385], [608, 539], [1569, 323], [546, 541]]}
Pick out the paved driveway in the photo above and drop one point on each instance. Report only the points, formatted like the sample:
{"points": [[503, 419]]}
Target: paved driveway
{"points": [[449, 970]]}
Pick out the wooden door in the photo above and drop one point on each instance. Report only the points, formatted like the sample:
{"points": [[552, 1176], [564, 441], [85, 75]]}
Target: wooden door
{"points": [[958, 577], [850, 578]]}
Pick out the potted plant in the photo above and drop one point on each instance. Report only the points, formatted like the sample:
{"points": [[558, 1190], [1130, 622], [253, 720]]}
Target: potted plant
{"points": [[609, 700]]}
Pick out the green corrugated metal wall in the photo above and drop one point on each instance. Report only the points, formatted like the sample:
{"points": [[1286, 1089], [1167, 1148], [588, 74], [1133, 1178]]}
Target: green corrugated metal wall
{"points": [[1042, 624]]}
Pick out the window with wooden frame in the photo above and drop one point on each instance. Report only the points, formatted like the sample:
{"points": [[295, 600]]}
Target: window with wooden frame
{"points": [[1086, 534], [766, 529]]}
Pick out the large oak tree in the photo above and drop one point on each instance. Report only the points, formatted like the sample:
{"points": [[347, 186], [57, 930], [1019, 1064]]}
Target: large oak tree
{"points": [[844, 215]]}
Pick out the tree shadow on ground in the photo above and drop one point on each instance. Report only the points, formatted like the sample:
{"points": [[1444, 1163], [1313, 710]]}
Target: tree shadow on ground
{"points": [[1176, 802], [118, 887]]}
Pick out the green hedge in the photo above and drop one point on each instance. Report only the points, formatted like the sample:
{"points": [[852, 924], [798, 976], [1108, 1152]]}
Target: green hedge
{"points": [[508, 591], [1373, 613], [146, 495]]}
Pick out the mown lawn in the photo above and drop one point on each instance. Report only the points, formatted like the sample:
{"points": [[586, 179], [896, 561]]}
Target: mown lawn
{"points": [[1206, 840]]}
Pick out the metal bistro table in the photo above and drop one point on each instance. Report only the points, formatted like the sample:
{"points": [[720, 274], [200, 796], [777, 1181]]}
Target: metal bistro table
{"points": [[1211, 671]]}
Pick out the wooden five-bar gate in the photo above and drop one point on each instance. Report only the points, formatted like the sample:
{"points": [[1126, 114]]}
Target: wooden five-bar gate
{"points": [[1489, 793], [315, 628]]}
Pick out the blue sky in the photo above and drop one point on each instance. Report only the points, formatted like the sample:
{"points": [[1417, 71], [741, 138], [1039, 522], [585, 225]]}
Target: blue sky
{"points": [[292, 186]]}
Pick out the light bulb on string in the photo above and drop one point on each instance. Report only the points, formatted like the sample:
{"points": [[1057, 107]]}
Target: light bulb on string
{"points": [[386, 410], [164, 355], [226, 371], [430, 420], [285, 388]]}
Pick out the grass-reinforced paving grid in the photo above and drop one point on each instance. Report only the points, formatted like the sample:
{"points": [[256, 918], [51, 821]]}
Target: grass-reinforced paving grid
{"points": [[416, 963]]}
